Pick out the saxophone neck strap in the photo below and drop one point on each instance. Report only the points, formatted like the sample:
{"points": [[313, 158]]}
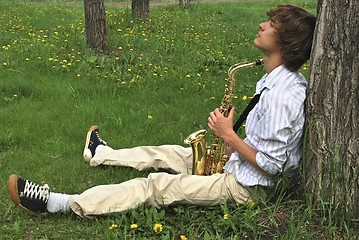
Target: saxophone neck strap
{"points": [[246, 111]]}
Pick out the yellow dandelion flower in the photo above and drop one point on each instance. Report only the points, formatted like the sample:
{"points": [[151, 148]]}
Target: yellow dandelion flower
{"points": [[251, 203], [149, 117], [132, 80], [79, 75], [244, 97], [113, 226], [157, 227], [134, 226], [129, 69], [213, 98], [183, 237], [15, 95], [188, 76], [5, 64], [225, 216]]}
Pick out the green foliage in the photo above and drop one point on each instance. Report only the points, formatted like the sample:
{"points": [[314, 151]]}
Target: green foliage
{"points": [[157, 84]]}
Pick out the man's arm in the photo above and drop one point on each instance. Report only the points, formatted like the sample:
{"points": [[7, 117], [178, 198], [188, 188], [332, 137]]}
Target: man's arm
{"points": [[223, 127]]}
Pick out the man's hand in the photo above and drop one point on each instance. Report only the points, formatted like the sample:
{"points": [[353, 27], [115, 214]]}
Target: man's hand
{"points": [[220, 125]]}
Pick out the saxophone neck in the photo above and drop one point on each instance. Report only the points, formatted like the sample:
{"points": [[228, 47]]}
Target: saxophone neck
{"points": [[237, 67]]}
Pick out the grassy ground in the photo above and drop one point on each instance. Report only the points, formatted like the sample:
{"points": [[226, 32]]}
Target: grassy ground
{"points": [[157, 85]]}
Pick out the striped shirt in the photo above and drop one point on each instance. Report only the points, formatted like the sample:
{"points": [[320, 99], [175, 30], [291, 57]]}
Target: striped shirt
{"points": [[274, 128]]}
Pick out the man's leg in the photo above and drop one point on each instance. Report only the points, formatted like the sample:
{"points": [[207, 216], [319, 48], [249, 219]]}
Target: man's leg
{"points": [[173, 158], [159, 189]]}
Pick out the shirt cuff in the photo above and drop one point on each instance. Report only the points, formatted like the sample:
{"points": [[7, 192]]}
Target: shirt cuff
{"points": [[266, 165]]}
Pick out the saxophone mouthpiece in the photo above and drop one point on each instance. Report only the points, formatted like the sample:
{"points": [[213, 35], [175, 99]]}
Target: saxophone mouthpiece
{"points": [[259, 62]]}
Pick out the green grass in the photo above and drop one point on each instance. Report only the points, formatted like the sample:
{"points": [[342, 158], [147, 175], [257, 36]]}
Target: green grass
{"points": [[157, 85]]}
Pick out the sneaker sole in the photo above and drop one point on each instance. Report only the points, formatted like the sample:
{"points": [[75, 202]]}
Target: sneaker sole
{"points": [[87, 153], [14, 193], [13, 190]]}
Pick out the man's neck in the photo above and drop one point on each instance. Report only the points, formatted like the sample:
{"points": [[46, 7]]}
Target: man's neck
{"points": [[271, 62]]}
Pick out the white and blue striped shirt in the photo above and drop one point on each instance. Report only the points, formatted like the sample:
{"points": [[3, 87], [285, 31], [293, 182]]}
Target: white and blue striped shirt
{"points": [[274, 128]]}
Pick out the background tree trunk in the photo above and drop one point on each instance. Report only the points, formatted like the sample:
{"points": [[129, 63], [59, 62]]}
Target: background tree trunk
{"points": [[141, 9], [331, 167], [184, 2], [95, 24]]}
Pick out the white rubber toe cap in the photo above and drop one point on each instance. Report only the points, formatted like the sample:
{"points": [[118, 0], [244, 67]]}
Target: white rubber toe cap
{"points": [[87, 155]]}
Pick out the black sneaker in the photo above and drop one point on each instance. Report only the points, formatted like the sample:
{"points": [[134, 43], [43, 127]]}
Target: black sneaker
{"points": [[28, 195], [92, 141]]}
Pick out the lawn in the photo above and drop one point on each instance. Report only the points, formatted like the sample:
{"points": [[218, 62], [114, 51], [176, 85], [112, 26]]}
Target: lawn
{"points": [[156, 85]]}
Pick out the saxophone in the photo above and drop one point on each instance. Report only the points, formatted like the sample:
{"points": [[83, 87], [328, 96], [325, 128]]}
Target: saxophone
{"points": [[208, 160]]}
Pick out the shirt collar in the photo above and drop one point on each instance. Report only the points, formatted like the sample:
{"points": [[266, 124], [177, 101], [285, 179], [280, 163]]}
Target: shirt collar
{"points": [[269, 80]]}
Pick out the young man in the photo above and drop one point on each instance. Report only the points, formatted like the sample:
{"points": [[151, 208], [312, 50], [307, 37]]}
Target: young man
{"points": [[274, 131]]}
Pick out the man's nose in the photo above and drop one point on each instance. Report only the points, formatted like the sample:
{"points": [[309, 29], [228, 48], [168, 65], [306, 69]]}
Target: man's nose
{"points": [[261, 26]]}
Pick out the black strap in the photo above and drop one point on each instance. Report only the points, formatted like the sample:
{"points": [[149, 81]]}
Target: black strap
{"points": [[246, 111]]}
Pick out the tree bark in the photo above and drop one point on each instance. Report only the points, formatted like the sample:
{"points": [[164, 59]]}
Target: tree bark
{"points": [[184, 2], [95, 25], [331, 164], [141, 9]]}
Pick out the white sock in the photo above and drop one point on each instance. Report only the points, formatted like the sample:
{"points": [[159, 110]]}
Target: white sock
{"points": [[58, 202]]}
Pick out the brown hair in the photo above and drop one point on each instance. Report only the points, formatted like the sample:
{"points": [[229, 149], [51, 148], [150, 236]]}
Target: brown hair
{"points": [[295, 28]]}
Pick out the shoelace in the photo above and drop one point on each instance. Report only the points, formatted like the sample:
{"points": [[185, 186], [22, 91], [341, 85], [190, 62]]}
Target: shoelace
{"points": [[35, 191], [98, 137]]}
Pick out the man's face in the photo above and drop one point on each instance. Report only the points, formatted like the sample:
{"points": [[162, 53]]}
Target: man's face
{"points": [[266, 39]]}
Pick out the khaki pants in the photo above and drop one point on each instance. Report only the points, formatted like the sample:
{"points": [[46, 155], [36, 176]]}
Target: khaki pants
{"points": [[158, 189]]}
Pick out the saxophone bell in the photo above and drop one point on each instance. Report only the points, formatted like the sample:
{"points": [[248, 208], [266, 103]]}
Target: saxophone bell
{"points": [[198, 143]]}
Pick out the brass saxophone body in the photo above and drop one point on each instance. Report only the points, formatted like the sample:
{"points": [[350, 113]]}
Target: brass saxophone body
{"points": [[208, 160]]}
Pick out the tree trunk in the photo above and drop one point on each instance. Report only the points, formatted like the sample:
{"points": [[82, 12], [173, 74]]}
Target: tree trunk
{"points": [[183, 2], [186, 3], [95, 25], [331, 164], [141, 9]]}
